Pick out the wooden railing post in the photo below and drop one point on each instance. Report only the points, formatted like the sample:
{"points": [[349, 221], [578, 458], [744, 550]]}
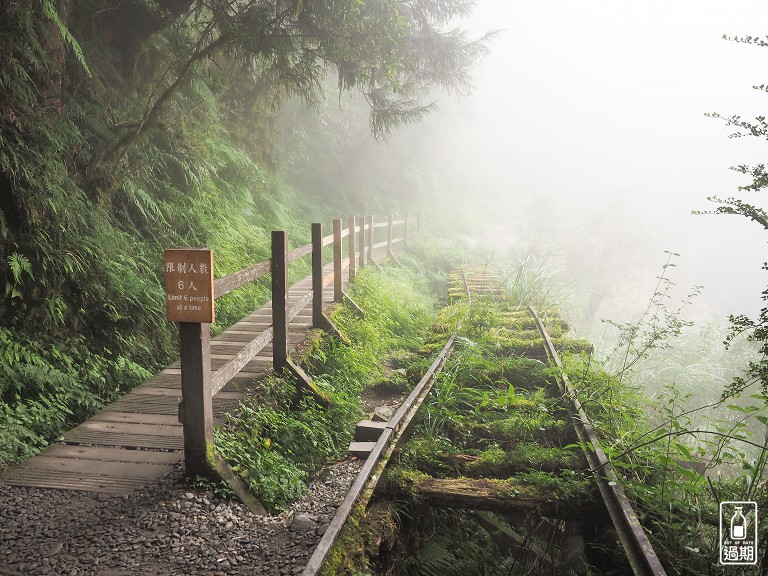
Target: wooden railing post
{"points": [[389, 235], [361, 242], [351, 248], [279, 299], [370, 238], [197, 408], [405, 229], [337, 286], [317, 275]]}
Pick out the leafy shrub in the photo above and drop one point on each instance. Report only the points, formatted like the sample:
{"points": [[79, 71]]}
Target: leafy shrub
{"points": [[277, 446], [46, 390]]}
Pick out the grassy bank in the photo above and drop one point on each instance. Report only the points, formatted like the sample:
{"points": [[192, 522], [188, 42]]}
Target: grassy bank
{"points": [[277, 446]]}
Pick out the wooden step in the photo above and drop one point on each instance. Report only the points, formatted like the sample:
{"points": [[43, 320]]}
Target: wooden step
{"points": [[361, 449], [368, 430]]}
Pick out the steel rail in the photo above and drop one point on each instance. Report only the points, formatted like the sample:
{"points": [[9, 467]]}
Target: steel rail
{"points": [[466, 286], [640, 553], [370, 473], [368, 477]]}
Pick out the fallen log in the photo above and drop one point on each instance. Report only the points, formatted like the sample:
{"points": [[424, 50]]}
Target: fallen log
{"points": [[560, 498], [502, 464]]}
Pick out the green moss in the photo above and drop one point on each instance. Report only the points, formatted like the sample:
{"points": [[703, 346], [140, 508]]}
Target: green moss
{"points": [[439, 458], [274, 446], [522, 427], [498, 462], [361, 539], [347, 555]]}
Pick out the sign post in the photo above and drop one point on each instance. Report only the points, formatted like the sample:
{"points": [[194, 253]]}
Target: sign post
{"points": [[189, 285], [189, 301]]}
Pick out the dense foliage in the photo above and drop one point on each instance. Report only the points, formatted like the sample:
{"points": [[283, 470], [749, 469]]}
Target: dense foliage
{"points": [[277, 448], [679, 459], [127, 127]]}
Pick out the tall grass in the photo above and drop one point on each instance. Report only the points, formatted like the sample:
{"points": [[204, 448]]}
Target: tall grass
{"points": [[276, 447]]}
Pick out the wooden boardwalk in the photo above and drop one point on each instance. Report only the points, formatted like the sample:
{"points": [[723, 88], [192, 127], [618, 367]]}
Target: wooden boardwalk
{"points": [[138, 439]]}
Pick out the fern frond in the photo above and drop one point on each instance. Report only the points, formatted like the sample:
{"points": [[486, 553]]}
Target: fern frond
{"points": [[50, 11], [19, 265]]}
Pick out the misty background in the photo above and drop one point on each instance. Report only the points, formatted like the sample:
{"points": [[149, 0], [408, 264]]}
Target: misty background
{"points": [[584, 145]]}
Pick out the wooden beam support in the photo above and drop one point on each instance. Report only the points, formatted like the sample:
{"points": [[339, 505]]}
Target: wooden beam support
{"points": [[369, 225], [361, 242], [317, 275], [306, 384], [236, 484], [500, 496], [279, 271], [337, 264], [352, 253], [196, 409], [319, 319], [359, 312]]}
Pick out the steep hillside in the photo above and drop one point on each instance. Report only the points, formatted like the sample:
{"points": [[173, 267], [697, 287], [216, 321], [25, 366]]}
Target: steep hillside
{"points": [[130, 127]]}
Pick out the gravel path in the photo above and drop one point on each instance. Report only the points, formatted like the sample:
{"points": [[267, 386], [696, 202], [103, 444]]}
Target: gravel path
{"points": [[167, 529]]}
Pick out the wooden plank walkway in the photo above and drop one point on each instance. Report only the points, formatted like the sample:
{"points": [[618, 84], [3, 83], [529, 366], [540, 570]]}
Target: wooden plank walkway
{"points": [[138, 439]]}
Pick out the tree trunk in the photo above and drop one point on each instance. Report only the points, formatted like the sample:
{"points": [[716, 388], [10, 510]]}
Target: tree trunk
{"points": [[123, 25], [56, 48]]}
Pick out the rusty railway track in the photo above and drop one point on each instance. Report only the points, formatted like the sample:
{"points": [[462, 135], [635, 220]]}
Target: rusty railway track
{"points": [[377, 460], [484, 282], [634, 540]]}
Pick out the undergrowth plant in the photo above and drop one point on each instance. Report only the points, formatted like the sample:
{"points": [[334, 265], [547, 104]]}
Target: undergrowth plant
{"points": [[82, 232], [531, 280], [678, 466], [681, 444], [44, 390], [277, 447], [656, 327]]}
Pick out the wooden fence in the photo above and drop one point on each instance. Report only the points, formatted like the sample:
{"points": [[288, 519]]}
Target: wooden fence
{"points": [[199, 383]]}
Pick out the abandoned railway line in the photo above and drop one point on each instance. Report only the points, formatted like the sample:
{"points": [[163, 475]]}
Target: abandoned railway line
{"points": [[495, 493], [119, 505]]}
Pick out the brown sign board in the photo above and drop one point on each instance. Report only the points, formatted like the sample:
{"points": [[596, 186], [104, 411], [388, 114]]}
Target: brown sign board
{"points": [[189, 285]]}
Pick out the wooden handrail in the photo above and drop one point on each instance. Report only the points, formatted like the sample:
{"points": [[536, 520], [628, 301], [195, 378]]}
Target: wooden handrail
{"points": [[199, 383], [297, 253], [231, 282], [227, 284]]}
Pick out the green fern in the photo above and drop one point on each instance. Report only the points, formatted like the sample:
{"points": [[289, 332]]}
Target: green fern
{"points": [[19, 266], [50, 12], [435, 558]]}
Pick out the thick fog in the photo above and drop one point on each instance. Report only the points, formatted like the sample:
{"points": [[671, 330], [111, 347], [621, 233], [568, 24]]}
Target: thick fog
{"points": [[586, 136], [584, 146]]}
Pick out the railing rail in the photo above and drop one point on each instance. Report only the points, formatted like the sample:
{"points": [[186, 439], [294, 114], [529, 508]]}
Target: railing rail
{"points": [[238, 279], [199, 383]]}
